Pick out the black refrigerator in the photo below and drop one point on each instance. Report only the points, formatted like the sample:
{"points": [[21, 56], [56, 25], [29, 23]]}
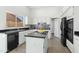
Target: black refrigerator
{"points": [[63, 30]]}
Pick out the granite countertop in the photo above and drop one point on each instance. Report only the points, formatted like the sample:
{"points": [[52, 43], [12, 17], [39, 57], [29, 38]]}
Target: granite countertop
{"points": [[9, 28], [13, 30], [37, 34]]}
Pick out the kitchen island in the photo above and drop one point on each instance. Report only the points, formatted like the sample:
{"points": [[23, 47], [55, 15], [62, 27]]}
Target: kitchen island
{"points": [[36, 42]]}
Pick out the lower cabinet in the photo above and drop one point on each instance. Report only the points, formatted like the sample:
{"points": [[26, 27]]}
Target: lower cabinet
{"points": [[36, 45], [21, 37], [3, 43], [76, 44], [45, 46], [70, 45]]}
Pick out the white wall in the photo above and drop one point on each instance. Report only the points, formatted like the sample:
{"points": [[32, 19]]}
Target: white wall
{"points": [[44, 14], [52, 26], [76, 18], [17, 10], [30, 21], [57, 30], [2, 17]]}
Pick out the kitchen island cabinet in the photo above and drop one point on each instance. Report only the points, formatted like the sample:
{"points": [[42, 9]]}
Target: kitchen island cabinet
{"points": [[36, 42]]}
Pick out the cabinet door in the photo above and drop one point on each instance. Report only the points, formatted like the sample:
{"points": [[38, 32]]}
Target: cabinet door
{"points": [[3, 43], [70, 45], [34, 45], [76, 47], [76, 44], [21, 37], [45, 46]]}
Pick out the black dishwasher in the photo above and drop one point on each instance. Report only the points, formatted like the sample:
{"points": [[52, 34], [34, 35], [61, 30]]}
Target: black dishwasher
{"points": [[12, 40]]}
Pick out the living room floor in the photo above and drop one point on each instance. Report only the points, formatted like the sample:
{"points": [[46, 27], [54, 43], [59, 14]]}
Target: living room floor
{"points": [[54, 46]]}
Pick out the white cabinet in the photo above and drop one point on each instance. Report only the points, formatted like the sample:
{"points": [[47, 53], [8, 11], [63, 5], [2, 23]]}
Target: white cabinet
{"points": [[70, 45], [45, 46], [3, 43], [36, 45], [76, 44], [21, 37]]}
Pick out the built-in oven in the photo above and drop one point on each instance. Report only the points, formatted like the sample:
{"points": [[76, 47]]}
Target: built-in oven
{"points": [[70, 30], [70, 35], [70, 23]]}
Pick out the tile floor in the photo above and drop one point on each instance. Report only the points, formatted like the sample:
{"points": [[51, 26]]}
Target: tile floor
{"points": [[54, 46]]}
